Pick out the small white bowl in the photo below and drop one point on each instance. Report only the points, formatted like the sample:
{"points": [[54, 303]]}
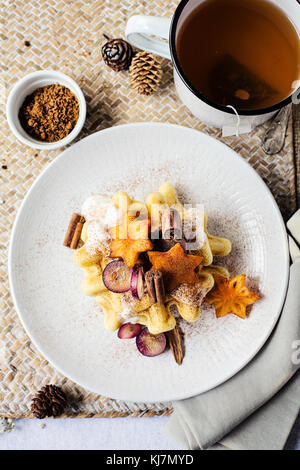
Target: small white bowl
{"points": [[25, 87]]}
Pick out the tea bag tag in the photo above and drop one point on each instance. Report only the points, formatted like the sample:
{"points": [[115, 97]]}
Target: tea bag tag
{"points": [[238, 128]]}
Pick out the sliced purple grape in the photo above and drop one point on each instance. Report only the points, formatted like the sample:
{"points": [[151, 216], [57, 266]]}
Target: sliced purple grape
{"points": [[151, 345], [137, 282], [117, 276], [129, 330]]}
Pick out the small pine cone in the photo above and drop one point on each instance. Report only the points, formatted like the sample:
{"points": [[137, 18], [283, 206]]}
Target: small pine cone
{"points": [[145, 73], [117, 54], [49, 401]]}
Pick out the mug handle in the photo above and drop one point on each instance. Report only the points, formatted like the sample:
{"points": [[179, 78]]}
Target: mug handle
{"points": [[140, 28]]}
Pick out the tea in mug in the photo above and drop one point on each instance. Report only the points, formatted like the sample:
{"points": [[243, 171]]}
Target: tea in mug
{"points": [[243, 53]]}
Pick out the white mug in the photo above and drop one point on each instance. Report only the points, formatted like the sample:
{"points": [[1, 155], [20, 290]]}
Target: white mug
{"points": [[140, 30]]}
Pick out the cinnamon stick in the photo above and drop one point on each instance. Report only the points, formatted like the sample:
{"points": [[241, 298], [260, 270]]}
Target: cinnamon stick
{"points": [[175, 343], [159, 287], [150, 286], [155, 286], [74, 231]]}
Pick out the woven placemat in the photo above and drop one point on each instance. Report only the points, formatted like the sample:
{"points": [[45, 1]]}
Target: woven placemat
{"points": [[67, 36]]}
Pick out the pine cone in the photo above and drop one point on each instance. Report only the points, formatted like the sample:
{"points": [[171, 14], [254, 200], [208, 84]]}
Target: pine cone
{"points": [[117, 54], [145, 73], [49, 401]]}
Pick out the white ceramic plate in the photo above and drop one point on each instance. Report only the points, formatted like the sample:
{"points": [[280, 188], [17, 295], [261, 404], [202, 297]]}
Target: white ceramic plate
{"points": [[67, 326]]}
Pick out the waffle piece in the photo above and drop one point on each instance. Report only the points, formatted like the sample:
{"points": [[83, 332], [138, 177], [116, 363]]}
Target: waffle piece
{"points": [[216, 271], [112, 306], [187, 298], [186, 311], [160, 319], [213, 246], [92, 284]]}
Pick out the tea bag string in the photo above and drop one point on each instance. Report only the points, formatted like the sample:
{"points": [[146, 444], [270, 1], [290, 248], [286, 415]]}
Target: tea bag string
{"points": [[237, 131]]}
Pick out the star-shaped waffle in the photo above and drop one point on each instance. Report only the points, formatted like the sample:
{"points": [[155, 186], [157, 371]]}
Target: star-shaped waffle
{"points": [[231, 296], [177, 267]]}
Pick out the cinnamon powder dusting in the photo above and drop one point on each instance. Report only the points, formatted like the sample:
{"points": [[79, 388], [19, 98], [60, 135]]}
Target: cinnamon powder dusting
{"points": [[192, 294]]}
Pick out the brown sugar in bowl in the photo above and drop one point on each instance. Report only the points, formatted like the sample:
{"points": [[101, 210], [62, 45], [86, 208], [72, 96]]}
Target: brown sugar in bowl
{"points": [[50, 113], [64, 128]]}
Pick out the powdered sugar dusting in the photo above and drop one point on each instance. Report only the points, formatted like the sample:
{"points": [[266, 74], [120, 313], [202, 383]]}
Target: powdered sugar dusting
{"points": [[100, 215], [128, 316], [128, 303]]}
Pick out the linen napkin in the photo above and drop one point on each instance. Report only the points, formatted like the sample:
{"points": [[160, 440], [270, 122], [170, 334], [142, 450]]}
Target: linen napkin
{"points": [[255, 409]]}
